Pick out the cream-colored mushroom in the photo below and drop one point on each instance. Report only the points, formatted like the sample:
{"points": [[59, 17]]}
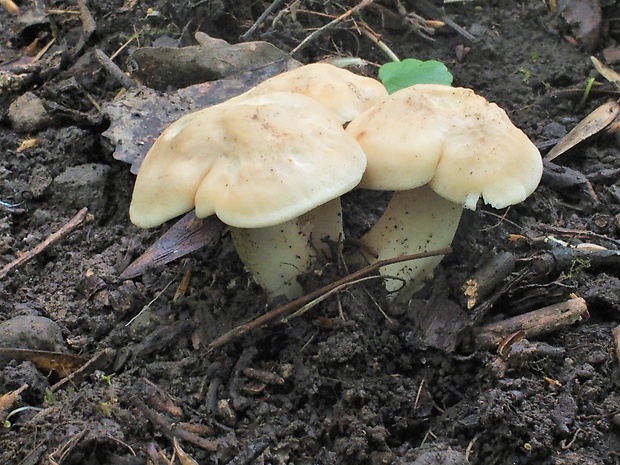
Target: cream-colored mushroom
{"points": [[441, 149], [271, 166], [345, 93]]}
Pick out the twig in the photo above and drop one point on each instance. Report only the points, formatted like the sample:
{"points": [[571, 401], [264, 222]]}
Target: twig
{"points": [[172, 431], [305, 299], [339, 19], [374, 37], [63, 232], [563, 258], [321, 298], [114, 70], [98, 362], [576, 233], [535, 323], [59, 454], [270, 9], [616, 335], [428, 9], [479, 285], [157, 296]]}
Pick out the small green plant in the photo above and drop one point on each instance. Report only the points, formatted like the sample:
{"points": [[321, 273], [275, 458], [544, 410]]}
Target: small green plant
{"points": [[50, 398], [8, 424], [105, 408], [586, 93], [106, 379], [578, 265], [526, 73], [397, 75]]}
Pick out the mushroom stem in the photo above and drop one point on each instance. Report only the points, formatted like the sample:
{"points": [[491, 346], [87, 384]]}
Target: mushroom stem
{"points": [[325, 222], [277, 255], [414, 221]]}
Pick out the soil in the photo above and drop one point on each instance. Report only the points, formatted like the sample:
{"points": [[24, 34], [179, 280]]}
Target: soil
{"points": [[357, 378]]}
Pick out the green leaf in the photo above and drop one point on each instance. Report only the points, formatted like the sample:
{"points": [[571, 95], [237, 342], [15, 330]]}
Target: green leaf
{"points": [[397, 75]]}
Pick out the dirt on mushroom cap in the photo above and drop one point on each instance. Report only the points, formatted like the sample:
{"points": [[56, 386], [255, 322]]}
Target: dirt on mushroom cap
{"points": [[345, 93], [463, 145], [254, 162]]}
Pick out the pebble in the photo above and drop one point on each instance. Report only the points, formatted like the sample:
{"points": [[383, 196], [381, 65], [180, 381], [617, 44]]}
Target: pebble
{"points": [[82, 186], [28, 114], [31, 332], [40, 180]]}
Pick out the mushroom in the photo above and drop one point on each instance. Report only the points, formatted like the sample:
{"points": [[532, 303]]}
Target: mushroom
{"points": [[440, 148], [345, 93], [272, 167]]}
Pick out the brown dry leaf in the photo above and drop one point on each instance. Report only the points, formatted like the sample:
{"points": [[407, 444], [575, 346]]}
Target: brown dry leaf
{"points": [[141, 115], [28, 144], [8, 399], [184, 458], [171, 67], [606, 72], [592, 124], [585, 17], [186, 235], [612, 54], [55, 362]]}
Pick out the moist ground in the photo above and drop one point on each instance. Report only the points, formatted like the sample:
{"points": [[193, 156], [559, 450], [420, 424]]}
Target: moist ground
{"points": [[356, 379]]}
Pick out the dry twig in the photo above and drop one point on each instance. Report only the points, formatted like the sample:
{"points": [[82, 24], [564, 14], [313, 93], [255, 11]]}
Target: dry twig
{"points": [[270, 9], [331, 24], [172, 431], [535, 323], [484, 280], [312, 296], [54, 238]]}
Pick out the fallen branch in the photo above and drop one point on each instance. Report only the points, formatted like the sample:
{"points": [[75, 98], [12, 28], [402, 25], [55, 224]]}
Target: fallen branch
{"points": [[532, 324], [559, 259], [54, 238], [479, 285], [318, 294]]}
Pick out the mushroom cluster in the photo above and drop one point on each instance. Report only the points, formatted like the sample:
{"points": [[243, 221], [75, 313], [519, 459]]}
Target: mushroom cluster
{"points": [[273, 162]]}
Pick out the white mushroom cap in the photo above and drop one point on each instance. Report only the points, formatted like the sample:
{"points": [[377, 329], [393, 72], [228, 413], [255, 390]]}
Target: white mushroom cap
{"points": [[256, 162], [450, 138], [345, 93]]}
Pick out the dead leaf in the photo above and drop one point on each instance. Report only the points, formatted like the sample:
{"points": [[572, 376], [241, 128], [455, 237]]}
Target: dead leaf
{"points": [[592, 124], [163, 68], [8, 399], [183, 456], [188, 234], [585, 17], [47, 362], [606, 72], [141, 115]]}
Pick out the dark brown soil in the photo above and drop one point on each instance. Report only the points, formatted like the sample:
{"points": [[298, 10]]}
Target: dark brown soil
{"points": [[354, 380]]}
